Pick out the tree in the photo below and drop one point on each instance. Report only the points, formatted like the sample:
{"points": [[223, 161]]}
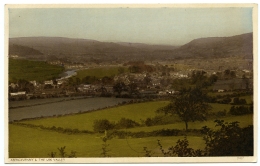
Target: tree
{"points": [[132, 87], [212, 78], [102, 125], [245, 81], [190, 106], [24, 85], [147, 79], [119, 87], [198, 76], [135, 69], [54, 80], [107, 80], [121, 70]]}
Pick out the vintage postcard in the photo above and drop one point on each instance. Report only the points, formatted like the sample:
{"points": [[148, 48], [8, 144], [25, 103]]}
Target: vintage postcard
{"points": [[131, 83]]}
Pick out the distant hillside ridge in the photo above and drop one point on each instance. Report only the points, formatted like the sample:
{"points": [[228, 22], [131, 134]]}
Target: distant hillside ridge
{"points": [[61, 45], [22, 50], [239, 45], [84, 49]]}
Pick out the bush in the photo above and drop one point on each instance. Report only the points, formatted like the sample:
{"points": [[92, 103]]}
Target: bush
{"points": [[148, 122], [226, 100], [157, 120], [126, 123], [102, 125], [241, 110], [236, 100], [221, 113]]}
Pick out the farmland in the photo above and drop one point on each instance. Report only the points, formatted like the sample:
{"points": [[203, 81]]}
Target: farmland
{"points": [[32, 70], [59, 106], [39, 142], [99, 72], [85, 121], [137, 112]]}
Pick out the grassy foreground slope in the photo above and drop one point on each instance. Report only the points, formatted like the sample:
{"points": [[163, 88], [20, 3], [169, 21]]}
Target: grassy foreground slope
{"points": [[32, 70], [85, 121], [34, 143]]}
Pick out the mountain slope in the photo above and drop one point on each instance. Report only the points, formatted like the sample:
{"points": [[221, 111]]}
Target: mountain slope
{"points": [[60, 45], [82, 49], [150, 47], [22, 50], [240, 45]]}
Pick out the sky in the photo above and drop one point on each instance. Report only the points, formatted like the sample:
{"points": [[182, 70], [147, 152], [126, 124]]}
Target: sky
{"points": [[172, 26]]}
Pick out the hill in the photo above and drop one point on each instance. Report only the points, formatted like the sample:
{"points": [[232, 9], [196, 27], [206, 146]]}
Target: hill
{"points": [[69, 46], [22, 50], [240, 45], [84, 49], [148, 46]]}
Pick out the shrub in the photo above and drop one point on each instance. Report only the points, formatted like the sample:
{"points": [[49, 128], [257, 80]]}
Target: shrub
{"points": [[157, 120], [221, 113], [226, 100], [102, 125], [229, 140], [236, 100], [126, 123], [241, 110]]}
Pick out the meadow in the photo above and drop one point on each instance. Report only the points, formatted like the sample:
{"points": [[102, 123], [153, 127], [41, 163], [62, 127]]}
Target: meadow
{"points": [[37, 142], [32, 70], [137, 112], [85, 121], [34, 143]]}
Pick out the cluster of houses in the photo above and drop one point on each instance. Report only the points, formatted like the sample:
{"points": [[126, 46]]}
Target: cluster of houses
{"points": [[148, 84]]}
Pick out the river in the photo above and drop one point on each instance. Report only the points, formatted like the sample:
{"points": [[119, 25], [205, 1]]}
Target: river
{"points": [[68, 74]]}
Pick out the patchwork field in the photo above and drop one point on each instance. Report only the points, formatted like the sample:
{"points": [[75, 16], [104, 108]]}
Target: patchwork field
{"points": [[243, 120], [99, 72], [85, 121], [32, 70], [36, 142]]}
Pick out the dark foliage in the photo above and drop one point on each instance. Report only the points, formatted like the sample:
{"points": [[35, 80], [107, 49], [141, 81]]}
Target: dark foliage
{"points": [[126, 123], [190, 106], [102, 125], [237, 100], [119, 87], [229, 140], [241, 110]]}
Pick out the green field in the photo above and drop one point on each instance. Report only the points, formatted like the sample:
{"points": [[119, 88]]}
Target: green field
{"points": [[243, 120], [136, 112], [32, 70], [85, 121], [35, 142], [99, 72], [27, 142]]}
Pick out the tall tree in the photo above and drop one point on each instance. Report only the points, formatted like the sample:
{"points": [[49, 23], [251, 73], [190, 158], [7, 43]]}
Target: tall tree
{"points": [[119, 87], [190, 106]]}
